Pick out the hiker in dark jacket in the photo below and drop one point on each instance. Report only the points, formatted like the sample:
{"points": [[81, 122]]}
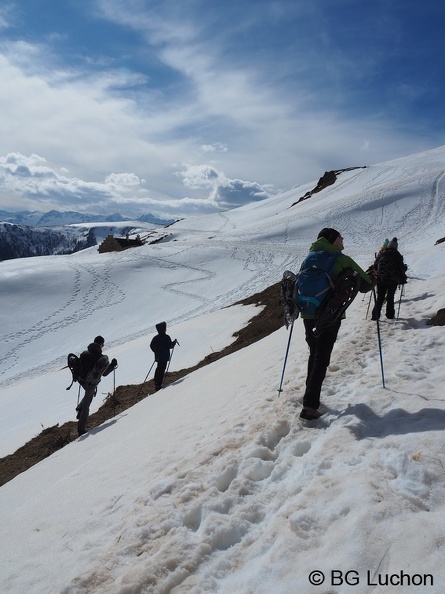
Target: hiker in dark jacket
{"points": [[391, 272], [320, 347], [161, 345], [93, 365]]}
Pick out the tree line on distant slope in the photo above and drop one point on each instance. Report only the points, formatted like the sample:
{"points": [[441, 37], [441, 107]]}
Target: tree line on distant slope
{"points": [[19, 241]]}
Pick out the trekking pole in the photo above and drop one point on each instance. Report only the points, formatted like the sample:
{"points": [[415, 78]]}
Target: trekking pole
{"points": [[114, 392], [369, 305], [140, 389], [400, 301], [171, 355], [380, 344], [285, 357], [149, 371]]}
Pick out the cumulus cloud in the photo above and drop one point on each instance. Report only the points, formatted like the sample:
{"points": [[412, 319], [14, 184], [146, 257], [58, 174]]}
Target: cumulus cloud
{"points": [[224, 193], [33, 184], [30, 183]]}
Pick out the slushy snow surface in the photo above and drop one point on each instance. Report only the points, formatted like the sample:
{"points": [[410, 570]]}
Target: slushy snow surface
{"points": [[214, 484]]}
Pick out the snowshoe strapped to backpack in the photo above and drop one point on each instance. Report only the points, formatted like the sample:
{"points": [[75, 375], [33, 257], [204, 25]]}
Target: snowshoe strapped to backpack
{"points": [[291, 311], [73, 363], [93, 376], [345, 289]]}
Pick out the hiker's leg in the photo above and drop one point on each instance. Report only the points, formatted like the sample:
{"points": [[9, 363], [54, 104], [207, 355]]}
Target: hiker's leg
{"points": [[320, 349], [85, 409], [390, 308], [159, 374], [381, 294]]}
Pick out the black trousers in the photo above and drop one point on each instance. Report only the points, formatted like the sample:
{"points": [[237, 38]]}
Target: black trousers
{"points": [[84, 406], [385, 290], [159, 373], [320, 349]]}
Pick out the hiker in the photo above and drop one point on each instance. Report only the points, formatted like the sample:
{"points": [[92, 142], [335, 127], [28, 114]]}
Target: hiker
{"points": [[161, 345], [385, 245], [93, 365], [391, 272], [320, 346]]}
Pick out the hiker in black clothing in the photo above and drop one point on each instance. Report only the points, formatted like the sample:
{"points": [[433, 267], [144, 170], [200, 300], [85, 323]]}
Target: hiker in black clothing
{"points": [[94, 365], [161, 345], [391, 272]]}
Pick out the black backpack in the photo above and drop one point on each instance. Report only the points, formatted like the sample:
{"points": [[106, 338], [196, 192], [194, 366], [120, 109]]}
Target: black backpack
{"points": [[89, 376], [73, 364], [387, 265]]}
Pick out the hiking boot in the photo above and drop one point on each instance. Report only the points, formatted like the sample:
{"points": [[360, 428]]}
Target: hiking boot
{"points": [[310, 414]]}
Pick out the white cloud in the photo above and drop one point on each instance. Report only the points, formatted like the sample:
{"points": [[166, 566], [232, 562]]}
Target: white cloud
{"points": [[216, 147], [93, 119], [7, 17], [224, 193], [32, 183]]}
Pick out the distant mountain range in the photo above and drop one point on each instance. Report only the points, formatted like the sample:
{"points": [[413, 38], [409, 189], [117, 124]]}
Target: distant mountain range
{"points": [[56, 218], [26, 234]]}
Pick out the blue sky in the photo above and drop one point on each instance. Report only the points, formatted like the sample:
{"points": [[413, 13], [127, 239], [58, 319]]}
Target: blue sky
{"points": [[182, 107]]}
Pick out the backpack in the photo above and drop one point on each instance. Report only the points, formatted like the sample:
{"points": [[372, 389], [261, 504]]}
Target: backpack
{"points": [[92, 376], [314, 281], [73, 364], [387, 266], [345, 289]]}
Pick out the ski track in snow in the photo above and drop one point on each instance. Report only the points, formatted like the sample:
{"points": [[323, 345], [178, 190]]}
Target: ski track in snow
{"points": [[82, 304], [93, 290]]}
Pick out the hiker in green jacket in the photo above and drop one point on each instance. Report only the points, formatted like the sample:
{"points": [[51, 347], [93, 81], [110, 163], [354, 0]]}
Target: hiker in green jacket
{"points": [[320, 347]]}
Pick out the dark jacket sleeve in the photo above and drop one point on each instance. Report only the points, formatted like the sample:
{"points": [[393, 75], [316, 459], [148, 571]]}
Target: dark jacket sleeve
{"points": [[402, 269], [110, 368]]}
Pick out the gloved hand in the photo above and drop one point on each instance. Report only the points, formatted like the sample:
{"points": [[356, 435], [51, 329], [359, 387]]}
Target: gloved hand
{"points": [[372, 272], [114, 363]]}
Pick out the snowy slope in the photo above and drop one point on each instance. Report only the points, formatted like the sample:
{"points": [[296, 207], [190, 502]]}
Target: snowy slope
{"points": [[213, 484]]}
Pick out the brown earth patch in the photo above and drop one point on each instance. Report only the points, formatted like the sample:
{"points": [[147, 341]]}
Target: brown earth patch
{"points": [[54, 438]]}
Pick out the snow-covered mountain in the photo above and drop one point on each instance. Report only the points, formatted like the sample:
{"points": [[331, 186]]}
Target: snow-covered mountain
{"points": [[213, 484], [64, 232], [56, 218]]}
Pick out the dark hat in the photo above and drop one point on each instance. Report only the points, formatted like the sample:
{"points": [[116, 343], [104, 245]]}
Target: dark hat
{"points": [[393, 244], [161, 327], [329, 234], [99, 340]]}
